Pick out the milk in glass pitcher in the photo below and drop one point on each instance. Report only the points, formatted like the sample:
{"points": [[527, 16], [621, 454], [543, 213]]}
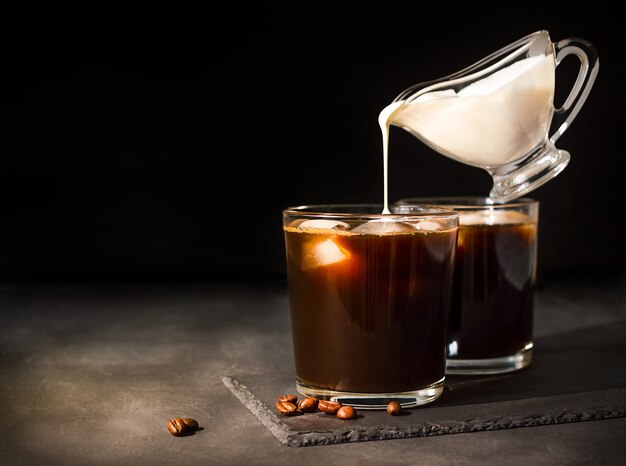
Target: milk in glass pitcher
{"points": [[499, 114]]}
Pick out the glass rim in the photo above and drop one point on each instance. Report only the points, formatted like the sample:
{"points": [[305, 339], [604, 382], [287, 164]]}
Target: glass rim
{"points": [[360, 212], [465, 202]]}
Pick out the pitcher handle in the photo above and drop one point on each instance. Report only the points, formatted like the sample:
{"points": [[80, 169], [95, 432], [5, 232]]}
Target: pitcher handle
{"points": [[589, 64]]}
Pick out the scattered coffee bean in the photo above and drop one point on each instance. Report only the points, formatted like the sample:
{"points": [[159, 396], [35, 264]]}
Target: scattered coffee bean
{"points": [[286, 408], [177, 427], [328, 407], [191, 423], [394, 408], [288, 399], [308, 405], [346, 412]]}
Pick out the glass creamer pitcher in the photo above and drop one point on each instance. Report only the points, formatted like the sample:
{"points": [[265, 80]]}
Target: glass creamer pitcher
{"points": [[498, 114]]}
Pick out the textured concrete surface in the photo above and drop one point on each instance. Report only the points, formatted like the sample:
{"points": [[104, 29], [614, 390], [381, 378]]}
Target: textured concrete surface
{"points": [[91, 375]]}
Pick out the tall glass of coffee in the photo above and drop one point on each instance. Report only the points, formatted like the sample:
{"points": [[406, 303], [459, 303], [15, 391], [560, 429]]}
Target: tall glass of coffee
{"points": [[491, 316], [369, 296]]}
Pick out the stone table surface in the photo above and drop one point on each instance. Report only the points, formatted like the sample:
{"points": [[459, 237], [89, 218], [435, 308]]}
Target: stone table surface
{"points": [[91, 373]]}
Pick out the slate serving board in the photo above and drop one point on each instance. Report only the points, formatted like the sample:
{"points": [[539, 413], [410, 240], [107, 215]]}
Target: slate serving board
{"points": [[575, 376]]}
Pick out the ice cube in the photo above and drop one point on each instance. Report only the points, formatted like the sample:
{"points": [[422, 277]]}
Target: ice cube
{"points": [[321, 253], [323, 224], [493, 217], [474, 218], [383, 226], [428, 225]]}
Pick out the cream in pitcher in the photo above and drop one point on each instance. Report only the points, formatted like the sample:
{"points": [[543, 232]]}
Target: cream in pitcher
{"points": [[490, 122], [497, 114]]}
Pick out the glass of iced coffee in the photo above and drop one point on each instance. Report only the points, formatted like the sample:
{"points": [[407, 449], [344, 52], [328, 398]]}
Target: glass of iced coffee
{"points": [[369, 296], [491, 315]]}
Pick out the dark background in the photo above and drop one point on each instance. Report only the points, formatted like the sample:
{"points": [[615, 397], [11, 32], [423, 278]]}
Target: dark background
{"points": [[147, 153]]}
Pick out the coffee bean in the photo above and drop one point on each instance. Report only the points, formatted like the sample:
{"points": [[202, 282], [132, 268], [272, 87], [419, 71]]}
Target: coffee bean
{"points": [[394, 408], [308, 405], [286, 408], [328, 407], [191, 423], [177, 427], [346, 412], [288, 399]]}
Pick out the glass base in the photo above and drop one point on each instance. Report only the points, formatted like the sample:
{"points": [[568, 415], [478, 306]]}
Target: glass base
{"points": [[491, 366], [541, 166], [409, 399]]}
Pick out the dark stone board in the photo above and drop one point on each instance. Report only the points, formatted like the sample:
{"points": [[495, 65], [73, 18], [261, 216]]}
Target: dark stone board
{"points": [[575, 376]]}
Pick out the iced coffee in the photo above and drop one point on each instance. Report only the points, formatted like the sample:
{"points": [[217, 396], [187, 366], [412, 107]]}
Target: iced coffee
{"points": [[491, 315], [370, 296]]}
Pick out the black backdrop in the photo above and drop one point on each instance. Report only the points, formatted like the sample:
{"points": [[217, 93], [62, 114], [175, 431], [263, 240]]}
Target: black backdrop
{"points": [[162, 153]]}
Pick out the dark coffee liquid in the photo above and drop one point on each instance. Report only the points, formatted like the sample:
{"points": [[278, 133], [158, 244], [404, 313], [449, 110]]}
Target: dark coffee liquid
{"points": [[492, 303], [373, 321]]}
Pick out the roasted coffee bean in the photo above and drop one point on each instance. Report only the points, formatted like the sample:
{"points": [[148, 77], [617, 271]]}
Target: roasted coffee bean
{"points": [[328, 407], [346, 412], [177, 427], [308, 405], [191, 423], [288, 398], [286, 408], [394, 408]]}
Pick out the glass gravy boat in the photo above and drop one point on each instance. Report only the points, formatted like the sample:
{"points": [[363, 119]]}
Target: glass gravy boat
{"points": [[498, 113]]}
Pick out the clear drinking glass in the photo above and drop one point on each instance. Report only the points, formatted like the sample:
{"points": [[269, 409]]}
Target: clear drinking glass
{"points": [[491, 315], [499, 114], [369, 297]]}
